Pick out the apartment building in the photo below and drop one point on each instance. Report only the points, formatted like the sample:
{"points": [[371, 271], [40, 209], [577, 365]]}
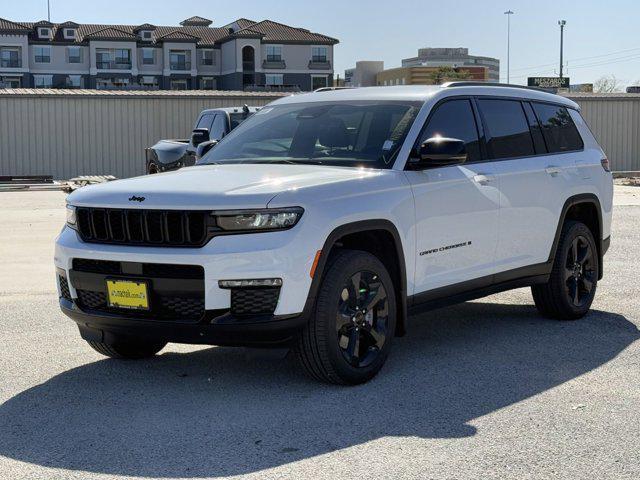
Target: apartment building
{"points": [[243, 55]]}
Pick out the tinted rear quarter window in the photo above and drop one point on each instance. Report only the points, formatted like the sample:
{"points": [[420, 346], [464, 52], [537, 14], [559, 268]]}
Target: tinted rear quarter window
{"points": [[506, 129], [455, 119], [559, 132]]}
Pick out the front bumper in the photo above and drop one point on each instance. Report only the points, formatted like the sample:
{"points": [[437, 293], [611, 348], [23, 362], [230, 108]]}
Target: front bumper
{"points": [[215, 328]]}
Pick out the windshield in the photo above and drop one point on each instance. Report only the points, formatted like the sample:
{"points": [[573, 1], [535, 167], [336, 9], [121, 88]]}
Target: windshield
{"points": [[367, 134]]}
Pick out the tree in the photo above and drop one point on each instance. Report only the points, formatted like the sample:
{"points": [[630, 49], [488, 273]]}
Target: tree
{"points": [[606, 84], [443, 74]]}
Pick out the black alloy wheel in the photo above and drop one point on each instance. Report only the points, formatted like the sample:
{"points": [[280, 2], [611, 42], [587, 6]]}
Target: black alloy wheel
{"points": [[362, 318], [579, 272]]}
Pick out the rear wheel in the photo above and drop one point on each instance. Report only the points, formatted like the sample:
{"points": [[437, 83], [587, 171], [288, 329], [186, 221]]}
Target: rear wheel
{"points": [[572, 285], [153, 169], [132, 349], [348, 338]]}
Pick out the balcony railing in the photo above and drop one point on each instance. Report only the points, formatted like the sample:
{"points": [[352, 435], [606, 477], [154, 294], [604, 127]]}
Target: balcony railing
{"points": [[11, 63], [272, 88], [274, 64], [113, 65], [317, 64], [180, 66]]}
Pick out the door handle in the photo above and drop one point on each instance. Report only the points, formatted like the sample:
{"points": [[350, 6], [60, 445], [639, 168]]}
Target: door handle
{"points": [[553, 170], [482, 179]]}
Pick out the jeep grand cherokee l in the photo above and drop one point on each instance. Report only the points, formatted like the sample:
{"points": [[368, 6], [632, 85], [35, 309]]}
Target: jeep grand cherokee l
{"points": [[326, 219]]}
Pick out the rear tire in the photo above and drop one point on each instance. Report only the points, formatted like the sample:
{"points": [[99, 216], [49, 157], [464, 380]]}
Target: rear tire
{"points": [[572, 284], [348, 337], [127, 349]]}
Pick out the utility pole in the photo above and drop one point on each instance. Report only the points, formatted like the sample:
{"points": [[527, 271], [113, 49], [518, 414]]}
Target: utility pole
{"points": [[508, 13], [49, 10], [562, 23]]}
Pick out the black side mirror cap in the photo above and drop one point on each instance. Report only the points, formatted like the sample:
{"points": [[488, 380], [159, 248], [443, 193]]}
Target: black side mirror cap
{"points": [[204, 148], [438, 152], [199, 135]]}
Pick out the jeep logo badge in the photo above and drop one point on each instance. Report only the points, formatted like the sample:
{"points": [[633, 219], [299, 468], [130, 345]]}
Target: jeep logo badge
{"points": [[136, 199]]}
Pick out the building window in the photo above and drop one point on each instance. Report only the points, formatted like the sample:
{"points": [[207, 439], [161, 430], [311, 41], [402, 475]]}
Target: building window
{"points": [[10, 82], [208, 57], [148, 56], [274, 79], [179, 60], [75, 54], [42, 54], [318, 81], [178, 84], [69, 33], [123, 58], [207, 83], [274, 53], [10, 57], [149, 82], [319, 54], [43, 81], [44, 32], [146, 35], [74, 81]]}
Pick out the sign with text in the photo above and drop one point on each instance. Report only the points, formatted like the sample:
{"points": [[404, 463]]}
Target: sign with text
{"points": [[548, 82]]}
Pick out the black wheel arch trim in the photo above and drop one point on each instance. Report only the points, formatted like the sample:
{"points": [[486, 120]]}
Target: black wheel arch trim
{"points": [[360, 227], [601, 244]]}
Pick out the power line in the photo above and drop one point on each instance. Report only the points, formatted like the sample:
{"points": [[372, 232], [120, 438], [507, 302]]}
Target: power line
{"points": [[577, 59]]}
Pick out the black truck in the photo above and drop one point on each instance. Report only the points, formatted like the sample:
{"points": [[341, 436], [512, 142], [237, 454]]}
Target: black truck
{"points": [[211, 126]]}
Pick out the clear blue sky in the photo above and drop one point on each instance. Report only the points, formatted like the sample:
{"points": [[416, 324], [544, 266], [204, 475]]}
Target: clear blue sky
{"points": [[601, 38]]}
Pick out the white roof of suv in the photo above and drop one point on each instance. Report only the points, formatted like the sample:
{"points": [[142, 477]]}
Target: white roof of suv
{"points": [[421, 93]]}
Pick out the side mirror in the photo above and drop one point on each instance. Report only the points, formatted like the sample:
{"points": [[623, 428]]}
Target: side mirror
{"points": [[439, 152], [204, 148], [199, 135]]}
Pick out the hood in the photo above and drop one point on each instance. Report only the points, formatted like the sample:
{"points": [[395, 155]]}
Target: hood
{"points": [[213, 186]]}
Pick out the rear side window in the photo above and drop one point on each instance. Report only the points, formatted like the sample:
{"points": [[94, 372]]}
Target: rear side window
{"points": [[506, 129], [455, 119], [205, 121], [559, 132]]}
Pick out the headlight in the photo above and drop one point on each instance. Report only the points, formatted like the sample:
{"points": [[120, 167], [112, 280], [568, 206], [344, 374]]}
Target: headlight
{"points": [[71, 216], [276, 219]]}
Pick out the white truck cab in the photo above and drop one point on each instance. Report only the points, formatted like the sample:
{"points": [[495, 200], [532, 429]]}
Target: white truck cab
{"points": [[326, 219]]}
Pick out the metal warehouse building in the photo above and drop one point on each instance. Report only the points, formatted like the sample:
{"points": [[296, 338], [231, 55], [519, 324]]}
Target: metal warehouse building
{"points": [[66, 133]]}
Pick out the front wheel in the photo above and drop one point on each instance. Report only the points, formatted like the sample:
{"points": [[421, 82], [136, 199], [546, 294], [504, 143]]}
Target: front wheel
{"points": [[572, 284], [348, 338]]}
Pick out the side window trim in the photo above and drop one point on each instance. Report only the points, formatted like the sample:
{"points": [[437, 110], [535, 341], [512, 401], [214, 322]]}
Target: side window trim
{"points": [[539, 141], [479, 130]]}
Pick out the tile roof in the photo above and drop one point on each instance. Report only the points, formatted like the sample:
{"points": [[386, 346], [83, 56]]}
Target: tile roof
{"points": [[112, 33], [196, 21], [268, 30], [278, 32], [7, 25], [144, 26]]}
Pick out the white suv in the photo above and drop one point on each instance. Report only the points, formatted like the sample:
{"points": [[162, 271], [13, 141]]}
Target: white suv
{"points": [[327, 219]]}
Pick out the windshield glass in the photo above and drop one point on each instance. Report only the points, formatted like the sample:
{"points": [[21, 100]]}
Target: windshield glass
{"points": [[367, 134]]}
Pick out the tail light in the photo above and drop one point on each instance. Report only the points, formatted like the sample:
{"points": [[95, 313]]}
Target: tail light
{"points": [[605, 164]]}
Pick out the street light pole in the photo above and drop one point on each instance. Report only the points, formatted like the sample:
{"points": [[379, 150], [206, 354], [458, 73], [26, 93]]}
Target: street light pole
{"points": [[508, 13], [562, 23]]}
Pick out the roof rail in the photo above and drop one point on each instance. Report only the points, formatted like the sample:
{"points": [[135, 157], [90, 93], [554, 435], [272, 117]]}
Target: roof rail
{"points": [[329, 89], [491, 84]]}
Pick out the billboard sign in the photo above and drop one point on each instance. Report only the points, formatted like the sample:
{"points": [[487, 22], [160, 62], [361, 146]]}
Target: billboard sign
{"points": [[548, 82]]}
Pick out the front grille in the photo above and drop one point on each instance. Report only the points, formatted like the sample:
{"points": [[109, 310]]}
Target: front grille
{"points": [[163, 307], [170, 228], [64, 288], [162, 270], [254, 301]]}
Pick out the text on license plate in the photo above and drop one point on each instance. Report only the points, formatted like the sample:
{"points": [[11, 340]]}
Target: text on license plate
{"points": [[128, 294]]}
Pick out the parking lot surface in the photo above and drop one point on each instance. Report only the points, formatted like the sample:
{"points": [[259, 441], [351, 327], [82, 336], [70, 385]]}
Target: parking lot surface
{"points": [[487, 389]]}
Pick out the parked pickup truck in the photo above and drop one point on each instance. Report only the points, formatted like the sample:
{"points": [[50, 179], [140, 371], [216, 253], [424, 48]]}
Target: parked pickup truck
{"points": [[211, 126]]}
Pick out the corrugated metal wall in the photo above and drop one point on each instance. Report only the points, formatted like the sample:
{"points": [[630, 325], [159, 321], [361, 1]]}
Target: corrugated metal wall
{"points": [[65, 134], [97, 133], [615, 121]]}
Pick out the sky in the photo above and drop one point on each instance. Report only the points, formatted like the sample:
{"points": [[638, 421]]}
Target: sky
{"points": [[601, 38]]}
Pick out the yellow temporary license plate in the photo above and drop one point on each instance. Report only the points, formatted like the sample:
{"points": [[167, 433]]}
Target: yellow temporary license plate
{"points": [[128, 294]]}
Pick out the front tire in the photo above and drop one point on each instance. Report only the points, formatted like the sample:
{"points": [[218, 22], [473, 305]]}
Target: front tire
{"points": [[347, 339], [130, 349], [572, 284]]}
